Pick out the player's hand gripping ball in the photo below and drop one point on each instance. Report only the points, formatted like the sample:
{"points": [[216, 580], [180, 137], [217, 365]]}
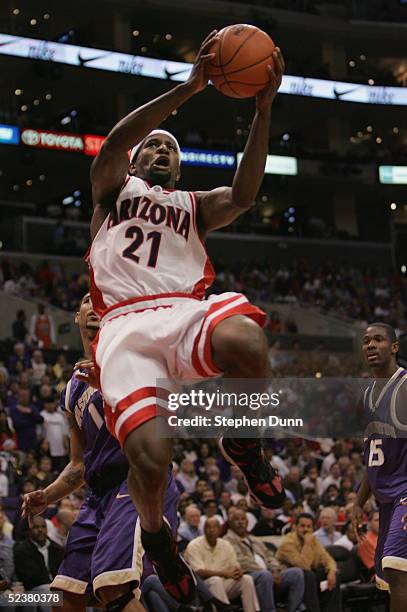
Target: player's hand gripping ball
{"points": [[243, 54]]}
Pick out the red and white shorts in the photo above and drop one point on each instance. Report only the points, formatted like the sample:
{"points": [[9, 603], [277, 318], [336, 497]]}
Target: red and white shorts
{"points": [[147, 344]]}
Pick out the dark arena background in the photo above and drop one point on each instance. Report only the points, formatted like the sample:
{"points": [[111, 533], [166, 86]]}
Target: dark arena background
{"points": [[323, 251]]}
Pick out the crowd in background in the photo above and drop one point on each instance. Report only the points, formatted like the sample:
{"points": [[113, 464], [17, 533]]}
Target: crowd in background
{"points": [[347, 291]]}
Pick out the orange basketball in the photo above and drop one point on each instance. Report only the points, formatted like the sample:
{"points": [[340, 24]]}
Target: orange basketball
{"points": [[239, 68]]}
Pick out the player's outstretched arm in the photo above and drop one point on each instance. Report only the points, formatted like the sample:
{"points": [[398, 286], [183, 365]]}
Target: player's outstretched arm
{"points": [[109, 168], [222, 206], [70, 479]]}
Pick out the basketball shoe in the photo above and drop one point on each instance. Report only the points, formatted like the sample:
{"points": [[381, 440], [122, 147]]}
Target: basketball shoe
{"points": [[263, 481]]}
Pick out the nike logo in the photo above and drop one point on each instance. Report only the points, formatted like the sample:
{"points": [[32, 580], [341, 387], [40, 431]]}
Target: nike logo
{"points": [[169, 74], [121, 495], [338, 94], [83, 61], [403, 500]]}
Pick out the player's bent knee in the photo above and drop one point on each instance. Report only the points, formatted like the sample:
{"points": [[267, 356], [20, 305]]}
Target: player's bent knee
{"points": [[241, 342]]}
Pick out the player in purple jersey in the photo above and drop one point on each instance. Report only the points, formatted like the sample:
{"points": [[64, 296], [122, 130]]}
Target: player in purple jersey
{"points": [[103, 553], [385, 456]]}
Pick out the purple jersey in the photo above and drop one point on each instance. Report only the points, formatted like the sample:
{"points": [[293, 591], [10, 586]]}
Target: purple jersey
{"points": [[105, 463], [385, 444]]}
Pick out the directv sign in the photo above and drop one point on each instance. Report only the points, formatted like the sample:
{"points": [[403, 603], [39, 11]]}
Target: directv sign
{"points": [[200, 157], [393, 175], [9, 134], [278, 164]]}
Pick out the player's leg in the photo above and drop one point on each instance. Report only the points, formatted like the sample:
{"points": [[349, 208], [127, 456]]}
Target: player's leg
{"points": [[73, 602], [398, 588], [394, 561], [119, 598], [240, 350]]}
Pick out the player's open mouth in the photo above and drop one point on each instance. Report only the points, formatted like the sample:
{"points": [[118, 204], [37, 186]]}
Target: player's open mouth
{"points": [[372, 356], [162, 162]]}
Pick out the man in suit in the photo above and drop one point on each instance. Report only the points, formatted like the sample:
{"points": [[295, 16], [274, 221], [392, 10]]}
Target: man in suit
{"points": [[257, 560]]}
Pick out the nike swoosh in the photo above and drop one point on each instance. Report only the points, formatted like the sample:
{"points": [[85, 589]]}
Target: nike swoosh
{"points": [[403, 499], [121, 495], [338, 94], [83, 61], [169, 74]]}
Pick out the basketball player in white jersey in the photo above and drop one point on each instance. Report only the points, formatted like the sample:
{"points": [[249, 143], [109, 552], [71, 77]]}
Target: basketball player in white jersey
{"points": [[149, 272]]}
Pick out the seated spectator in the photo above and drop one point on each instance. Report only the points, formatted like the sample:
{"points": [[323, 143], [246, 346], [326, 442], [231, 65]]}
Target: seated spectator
{"points": [[276, 462], [300, 548], [367, 548], [200, 487], [265, 526], [56, 432], [285, 516], [292, 484], [187, 476], [39, 367], [331, 496], [59, 528], [7, 433], [225, 502], [210, 509], [19, 358], [45, 474], [214, 560], [333, 478], [312, 480], [37, 559], [348, 539], [6, 555], [5, 526], [257, 560], [59, 366], [190, 528], [3, 484], [26, 417], [327, 534], [251, 518], [312, 502]]}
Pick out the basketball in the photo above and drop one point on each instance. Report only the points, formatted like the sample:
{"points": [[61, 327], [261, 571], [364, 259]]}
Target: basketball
{"points": [[239, 68]]}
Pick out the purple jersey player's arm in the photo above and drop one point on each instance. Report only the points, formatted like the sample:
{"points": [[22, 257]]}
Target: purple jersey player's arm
{"points": [[109, 169], [70, 479], [363, 495], [223, 205]]}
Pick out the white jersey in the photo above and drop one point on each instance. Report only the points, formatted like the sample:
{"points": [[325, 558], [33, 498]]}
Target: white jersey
{"points": [[148, 245]]}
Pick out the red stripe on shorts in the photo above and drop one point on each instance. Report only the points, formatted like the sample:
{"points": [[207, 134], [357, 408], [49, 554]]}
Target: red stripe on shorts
{"points": [[139, 418], [140, 394]]}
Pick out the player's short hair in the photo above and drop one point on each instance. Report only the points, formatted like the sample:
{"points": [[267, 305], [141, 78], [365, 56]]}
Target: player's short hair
{"points": [[390, 332], [305, 515]]}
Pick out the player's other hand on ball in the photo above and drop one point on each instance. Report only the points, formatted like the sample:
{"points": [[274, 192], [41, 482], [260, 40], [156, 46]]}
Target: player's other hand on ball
{"points": [[86, 372], [33, 503], [198, 79], [265, 97]]}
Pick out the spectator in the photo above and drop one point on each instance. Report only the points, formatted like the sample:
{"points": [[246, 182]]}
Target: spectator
{"points": [[56, 432], [292, 483], [187, 476], [59, 366], [265, 526], [257, 560], [333, 478], [367, 548], [59, 529], [200, 488], [210, 509], [327, 535], [190, 529], [8, 438], [276, 462], [19, 327], [312, 480], [348, 539], [251, 519], [3, 484], [42, 328], [39, 367], [45, 474], [225, 502], [37, 559], [214, 560], [6, 555], [302, 549], [25, 417], [19, 360]]}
